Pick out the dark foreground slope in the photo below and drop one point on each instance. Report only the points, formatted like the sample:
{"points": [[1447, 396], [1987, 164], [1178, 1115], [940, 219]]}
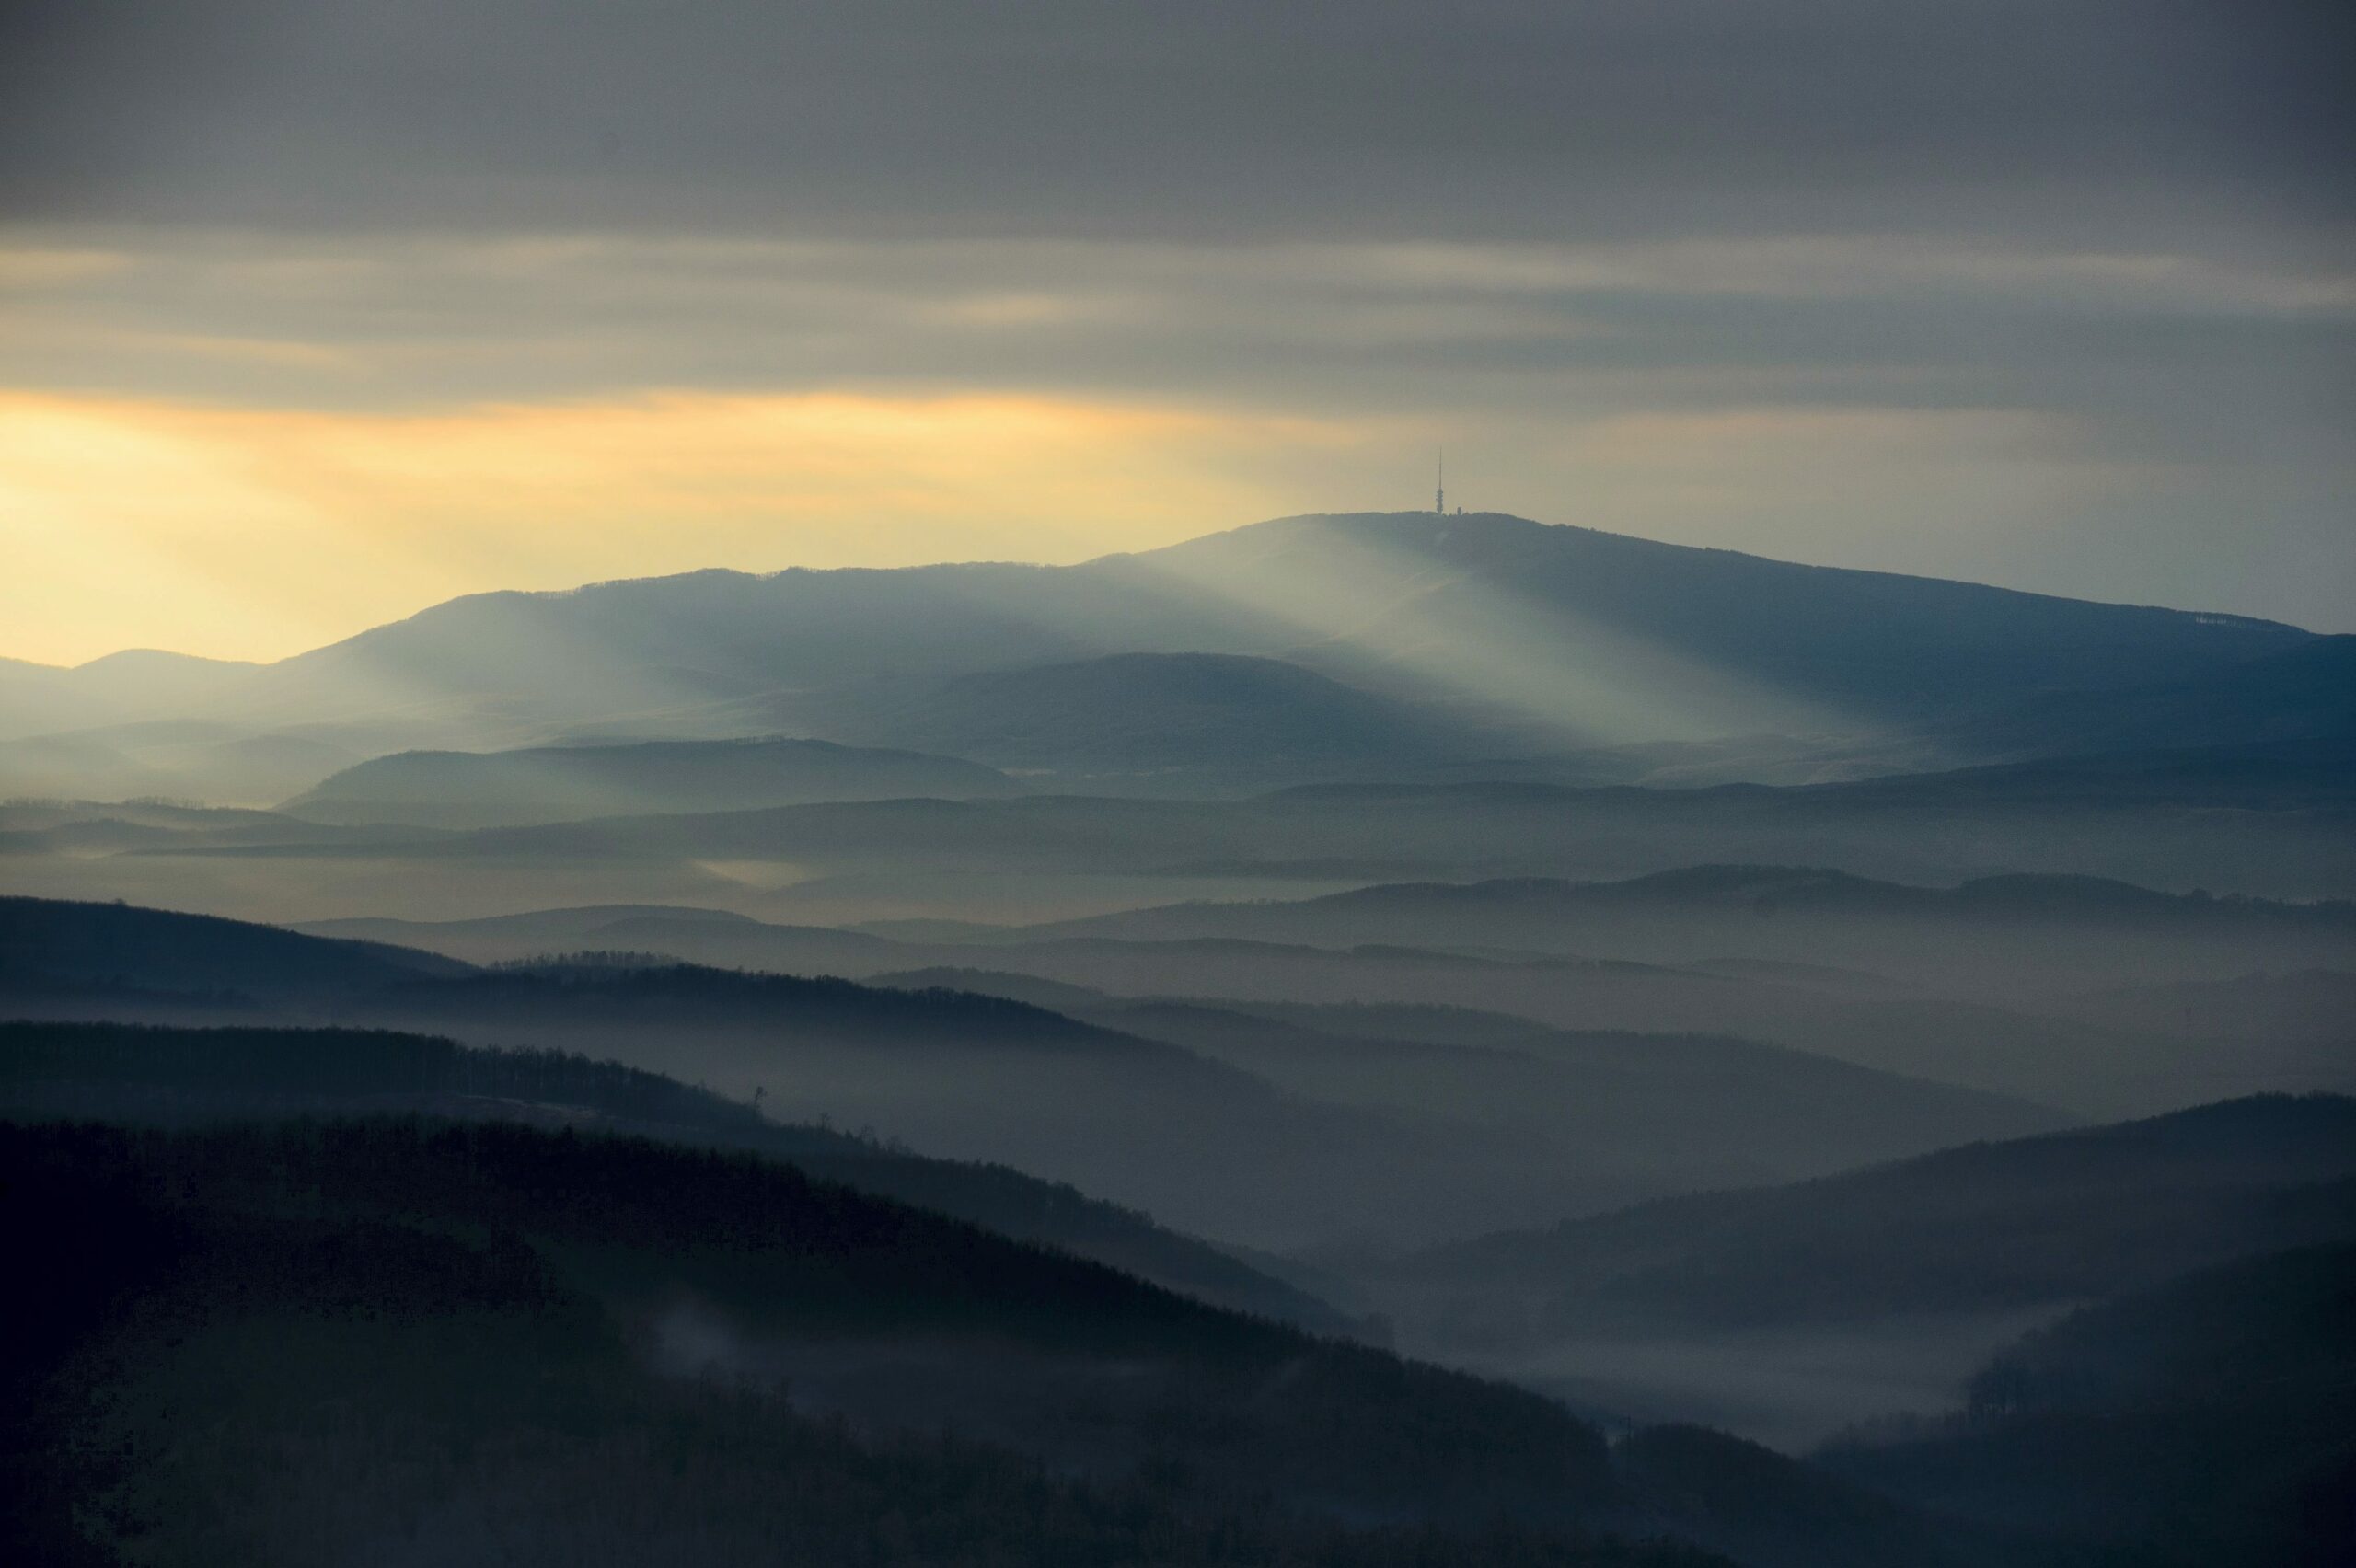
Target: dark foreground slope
{"points": [[458, 1345], [2210, 1419]]}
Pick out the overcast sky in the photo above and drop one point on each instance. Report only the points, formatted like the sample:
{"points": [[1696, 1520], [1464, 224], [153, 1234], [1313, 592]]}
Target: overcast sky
{"points": [[314, 313]]}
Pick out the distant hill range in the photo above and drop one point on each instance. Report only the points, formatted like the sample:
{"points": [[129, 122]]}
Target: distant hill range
{"points": [[1222, 1124], [1789, 916], [53, 945], [1314, 647], [566, 783]]}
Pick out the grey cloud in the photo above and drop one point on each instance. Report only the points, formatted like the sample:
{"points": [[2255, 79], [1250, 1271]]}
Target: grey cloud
{"points": [[1304, 118], [2126, 221], [2204, 358]]}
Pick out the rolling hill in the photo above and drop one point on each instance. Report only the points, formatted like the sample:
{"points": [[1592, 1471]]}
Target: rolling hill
{"points": [[2278, 838], [181, 1077], [564, 783], [623, 1347], [48, 945], [2062, 1218], [1996, 935], [1249, 1130]]}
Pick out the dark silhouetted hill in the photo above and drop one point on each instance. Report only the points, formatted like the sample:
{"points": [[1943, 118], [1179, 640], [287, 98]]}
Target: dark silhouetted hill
{"points": [[599, 1347], [51, 945], [2208, 1419]]}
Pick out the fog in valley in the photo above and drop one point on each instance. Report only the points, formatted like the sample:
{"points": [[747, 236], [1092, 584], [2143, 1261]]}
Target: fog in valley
{"points": [[1295, 785], [1236, 918]]}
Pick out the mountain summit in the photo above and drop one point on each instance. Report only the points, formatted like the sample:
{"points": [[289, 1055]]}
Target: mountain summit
{"points": [[1504, 635]]}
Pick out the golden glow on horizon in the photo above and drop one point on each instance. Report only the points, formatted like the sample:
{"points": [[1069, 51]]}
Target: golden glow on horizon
{"points": [[240, 533]]}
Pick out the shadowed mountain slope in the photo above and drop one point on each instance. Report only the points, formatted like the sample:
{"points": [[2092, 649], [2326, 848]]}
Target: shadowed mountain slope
{"points": [[1695, 627], [1217, 717]]}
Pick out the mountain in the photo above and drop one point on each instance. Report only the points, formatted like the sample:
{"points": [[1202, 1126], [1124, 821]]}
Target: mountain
{"points": [[1244, 1129], [564, 783], [1659, 1109], [2028, 988], [1269, 1152], [2316, 770], [2208, 1419], [1207, 1146], [2069, 1055], [1216, 719], [1569, 637], [2057, 1218], [1788, 1314], [190, 1077], [196, 759], [2315, 1005], [2262, 840], [47, 945], [1529, 908], [612, 1349], [715, 937], [1504, 609], [137, 683], [2299, 692], [2001, 932]]}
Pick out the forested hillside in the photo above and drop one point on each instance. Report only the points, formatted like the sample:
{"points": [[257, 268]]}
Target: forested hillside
{"points": [[484, 1328]]}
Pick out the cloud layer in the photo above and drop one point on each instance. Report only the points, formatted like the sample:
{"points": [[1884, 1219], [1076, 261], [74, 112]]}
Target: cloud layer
{"points": [[2055, 294]]}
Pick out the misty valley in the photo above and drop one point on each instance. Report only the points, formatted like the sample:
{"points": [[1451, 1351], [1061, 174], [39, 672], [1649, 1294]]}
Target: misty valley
{"points": [[1413, 1039]]}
